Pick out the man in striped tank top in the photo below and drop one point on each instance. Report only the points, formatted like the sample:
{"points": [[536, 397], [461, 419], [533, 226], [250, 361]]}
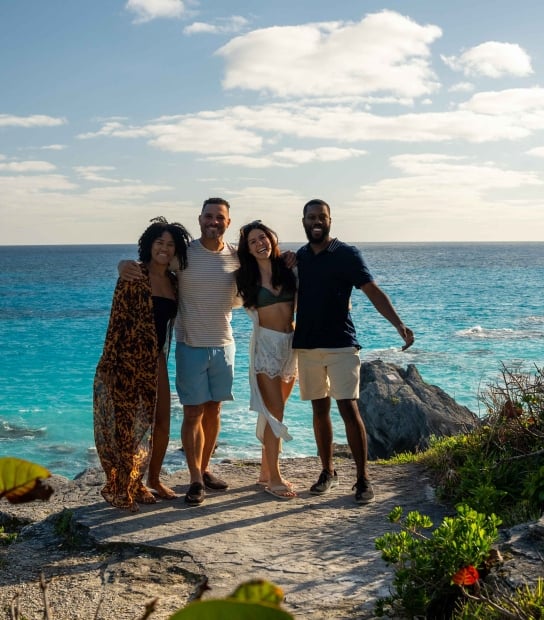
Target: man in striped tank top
{"points": [[204, 343]]}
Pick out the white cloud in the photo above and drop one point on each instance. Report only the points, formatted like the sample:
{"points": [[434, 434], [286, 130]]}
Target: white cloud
{"points": [[147, 10], [441, 170], [204, 134], [384, 52], [516, 102], [290, 158], [114, 128], [461, 87], [34, 120], [53, 147], [245, 161], [26, 166], [17, 189], [482, 201], [123, 193], [244, 131], [536, 152], [90, 173], [61, 213], [492, 59], [320, 154], [225, 26]]}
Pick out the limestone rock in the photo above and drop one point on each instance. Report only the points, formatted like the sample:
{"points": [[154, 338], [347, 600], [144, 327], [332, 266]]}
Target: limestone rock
{"points": [[401, 411]]}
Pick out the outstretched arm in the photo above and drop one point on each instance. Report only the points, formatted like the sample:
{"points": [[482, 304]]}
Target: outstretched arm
{"points": [[383, 305], [129, 270]]}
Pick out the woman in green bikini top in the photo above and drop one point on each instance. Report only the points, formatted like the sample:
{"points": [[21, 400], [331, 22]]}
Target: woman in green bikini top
{"points": [[268, 290], [266, 297]]}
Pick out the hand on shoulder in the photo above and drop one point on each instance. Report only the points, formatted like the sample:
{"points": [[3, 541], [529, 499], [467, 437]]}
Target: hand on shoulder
{"points": [[129, 270]]}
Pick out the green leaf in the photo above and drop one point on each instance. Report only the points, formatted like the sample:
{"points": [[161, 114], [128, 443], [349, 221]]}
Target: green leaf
{"points": [[21, 481], [230, 609], [258, 591]]}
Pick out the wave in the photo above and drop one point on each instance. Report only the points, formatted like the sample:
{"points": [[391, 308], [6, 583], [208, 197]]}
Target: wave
{"points": [[13, 431], [533, 320], [477, 332]]}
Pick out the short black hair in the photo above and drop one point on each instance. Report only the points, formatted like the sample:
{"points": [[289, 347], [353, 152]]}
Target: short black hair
{"points": [[160, 225], [215, 201], [315, 202]]}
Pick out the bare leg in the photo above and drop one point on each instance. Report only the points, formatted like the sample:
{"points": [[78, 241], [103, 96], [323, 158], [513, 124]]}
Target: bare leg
{"points": [[264, 476], [211, 425], [161, 433], [323, 431], [192, 437], [355, 433], [272, 392]]}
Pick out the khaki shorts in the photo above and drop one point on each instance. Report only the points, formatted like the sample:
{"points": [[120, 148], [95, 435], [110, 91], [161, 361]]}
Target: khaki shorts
{"points": [[329, 372]]}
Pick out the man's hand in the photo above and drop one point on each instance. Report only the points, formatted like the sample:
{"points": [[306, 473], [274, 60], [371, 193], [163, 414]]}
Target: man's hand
{"points": [[129, 270], [407, 335], [289, 258]]}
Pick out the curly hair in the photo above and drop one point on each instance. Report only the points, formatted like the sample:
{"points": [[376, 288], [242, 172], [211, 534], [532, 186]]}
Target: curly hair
{"points": [[160, 225], [248, 278]]}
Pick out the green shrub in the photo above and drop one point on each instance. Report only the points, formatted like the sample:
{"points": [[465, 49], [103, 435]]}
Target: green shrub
{"points": [[499, 467], [425, 566]]}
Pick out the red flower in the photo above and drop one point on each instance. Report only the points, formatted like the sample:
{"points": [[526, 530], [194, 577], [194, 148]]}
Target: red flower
{"points": [[466, 576]]}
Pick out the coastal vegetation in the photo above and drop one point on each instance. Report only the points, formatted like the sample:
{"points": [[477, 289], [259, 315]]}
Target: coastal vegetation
{"points": [[493, 475], [499, 467]]}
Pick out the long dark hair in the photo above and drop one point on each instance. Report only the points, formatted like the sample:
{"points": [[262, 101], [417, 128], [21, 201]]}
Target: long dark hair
{"points": [[159, 225], [248, 278]]}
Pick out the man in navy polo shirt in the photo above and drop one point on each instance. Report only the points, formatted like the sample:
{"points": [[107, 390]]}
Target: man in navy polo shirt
{"points": [[326, 342]]}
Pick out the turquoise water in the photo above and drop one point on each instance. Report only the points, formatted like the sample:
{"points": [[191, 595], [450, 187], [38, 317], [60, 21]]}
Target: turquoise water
{"points": [[472, 307]]}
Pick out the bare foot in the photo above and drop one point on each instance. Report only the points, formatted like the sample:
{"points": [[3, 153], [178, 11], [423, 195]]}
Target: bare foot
{"points": [[281, 491], [265, 483], [162, 490], [144, 496]]}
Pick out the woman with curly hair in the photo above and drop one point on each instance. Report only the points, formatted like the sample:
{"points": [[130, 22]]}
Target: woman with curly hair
{"points": [[268, 290], [131, 387]]}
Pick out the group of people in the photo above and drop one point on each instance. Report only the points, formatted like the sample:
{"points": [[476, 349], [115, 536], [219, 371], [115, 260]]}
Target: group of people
{"points": [[131, 390]]}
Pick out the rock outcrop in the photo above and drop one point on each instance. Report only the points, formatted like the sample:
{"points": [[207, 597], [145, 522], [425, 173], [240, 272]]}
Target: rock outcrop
{"points": [[401, 412]]}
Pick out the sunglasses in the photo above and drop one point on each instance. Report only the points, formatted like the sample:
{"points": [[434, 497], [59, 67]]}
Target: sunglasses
{"points": [[245, 230]]}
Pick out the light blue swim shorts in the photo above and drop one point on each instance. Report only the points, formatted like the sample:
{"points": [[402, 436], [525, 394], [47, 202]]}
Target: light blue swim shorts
{"points": [[204, 373]]}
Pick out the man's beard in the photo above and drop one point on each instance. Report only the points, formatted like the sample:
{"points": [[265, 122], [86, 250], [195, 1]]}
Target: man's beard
{"points": [[313, 238], [212, 233]]}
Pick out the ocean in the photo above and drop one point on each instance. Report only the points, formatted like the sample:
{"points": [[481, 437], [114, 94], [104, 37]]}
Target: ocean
{"points": [[473, 308]]}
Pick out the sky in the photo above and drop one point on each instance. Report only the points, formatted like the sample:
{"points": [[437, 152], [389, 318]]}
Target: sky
{"points": [[418, 121]]}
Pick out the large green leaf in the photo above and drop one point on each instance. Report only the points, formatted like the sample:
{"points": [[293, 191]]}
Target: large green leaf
{"points": [[258, 591], [229, 610], [253, 599], [21, 481]]}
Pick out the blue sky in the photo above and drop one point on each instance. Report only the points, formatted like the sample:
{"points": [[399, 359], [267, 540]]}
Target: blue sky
{"points": [[416, 121]]}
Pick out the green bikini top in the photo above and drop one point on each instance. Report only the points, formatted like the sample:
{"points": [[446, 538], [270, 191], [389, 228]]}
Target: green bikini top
{"points": [[265, 297]]}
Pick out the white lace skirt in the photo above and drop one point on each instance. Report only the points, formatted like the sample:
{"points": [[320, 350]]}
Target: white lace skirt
{"points": [[274, 355]]}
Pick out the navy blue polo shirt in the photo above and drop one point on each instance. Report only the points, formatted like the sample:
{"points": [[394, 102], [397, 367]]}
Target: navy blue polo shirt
{"points": [[326, 281]]}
